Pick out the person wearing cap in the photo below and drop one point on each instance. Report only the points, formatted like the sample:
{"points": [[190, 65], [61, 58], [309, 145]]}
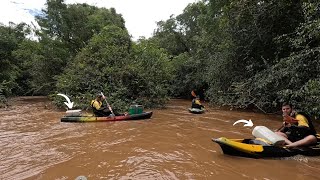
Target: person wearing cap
{"points": [[98, 108], [196, 103]]}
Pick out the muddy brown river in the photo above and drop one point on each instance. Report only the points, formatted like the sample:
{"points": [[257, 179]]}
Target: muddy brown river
{"points": [[173, 144]]}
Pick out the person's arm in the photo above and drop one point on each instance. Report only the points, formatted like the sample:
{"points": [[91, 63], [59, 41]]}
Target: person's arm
{"points": [[290, 120], [287, 120]]}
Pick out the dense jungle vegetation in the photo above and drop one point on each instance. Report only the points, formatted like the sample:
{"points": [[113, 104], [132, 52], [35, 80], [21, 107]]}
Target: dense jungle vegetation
{"points": [[243, 53]]}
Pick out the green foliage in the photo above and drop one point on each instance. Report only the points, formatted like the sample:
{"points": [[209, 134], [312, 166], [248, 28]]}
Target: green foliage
{"points": [[97, 66], [151, 73], [254, 25], [4, 89], [182, 38], [24, 55], [107, 65], [75, 24], [65, 29], [187, 75], [246, 53], [294, 77], [249, 53], [10, 38], [169, 37], [46, 60], [310, 94]]}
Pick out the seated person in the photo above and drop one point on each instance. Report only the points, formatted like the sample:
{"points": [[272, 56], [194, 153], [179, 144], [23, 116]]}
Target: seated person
{"points": [[101, 110], [297, 128], [97, 106], [196, 103]]}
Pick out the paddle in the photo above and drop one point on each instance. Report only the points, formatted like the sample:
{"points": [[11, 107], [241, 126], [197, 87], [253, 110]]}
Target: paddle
{"points": [[107, 104], [284, 124]]}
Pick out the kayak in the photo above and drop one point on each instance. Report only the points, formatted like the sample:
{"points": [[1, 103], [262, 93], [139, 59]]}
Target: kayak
{"points": [[249, 148], [92, 118], [196, 110]]}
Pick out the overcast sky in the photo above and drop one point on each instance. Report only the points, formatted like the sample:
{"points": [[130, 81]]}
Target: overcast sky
{"points": [[140, 15]]}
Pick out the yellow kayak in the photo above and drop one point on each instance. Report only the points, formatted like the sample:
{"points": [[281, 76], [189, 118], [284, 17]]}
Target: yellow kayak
{"points": [[250, 148]]}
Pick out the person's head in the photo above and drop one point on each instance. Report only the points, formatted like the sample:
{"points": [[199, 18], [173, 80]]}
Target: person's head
{"points": [[99, 96], [286, 108], [198, 97]]}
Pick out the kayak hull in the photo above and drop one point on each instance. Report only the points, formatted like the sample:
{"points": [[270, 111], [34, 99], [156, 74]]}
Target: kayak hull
{"points": [[243, 148], [142, 116], [196, 111]]}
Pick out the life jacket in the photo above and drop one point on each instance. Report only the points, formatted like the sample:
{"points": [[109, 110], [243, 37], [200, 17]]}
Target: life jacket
{"points": [[196, 104], [296, 133], [311, 127], [95, 111]]}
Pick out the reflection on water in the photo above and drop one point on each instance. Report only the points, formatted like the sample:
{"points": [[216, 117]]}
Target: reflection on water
{"points": [[173, 144]]}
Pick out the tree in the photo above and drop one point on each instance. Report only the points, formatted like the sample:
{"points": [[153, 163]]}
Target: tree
{"points": [[75, 24], [294, 77], [96, 68], [10, 38]]}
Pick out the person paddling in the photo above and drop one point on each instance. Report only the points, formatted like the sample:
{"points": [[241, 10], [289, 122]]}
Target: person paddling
{"points": [[101, 110], [98, 108], [196, 103]]}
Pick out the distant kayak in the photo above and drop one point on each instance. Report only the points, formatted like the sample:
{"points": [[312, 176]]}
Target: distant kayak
{"points": [[248, 148], [196, 110], [91, 118]]}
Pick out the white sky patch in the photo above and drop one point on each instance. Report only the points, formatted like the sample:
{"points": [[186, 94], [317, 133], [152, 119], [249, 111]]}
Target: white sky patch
{"points": [[14, 11], [140, 15]]}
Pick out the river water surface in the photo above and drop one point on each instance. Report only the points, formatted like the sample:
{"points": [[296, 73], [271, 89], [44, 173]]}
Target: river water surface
{"points": [[173, 144]]}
